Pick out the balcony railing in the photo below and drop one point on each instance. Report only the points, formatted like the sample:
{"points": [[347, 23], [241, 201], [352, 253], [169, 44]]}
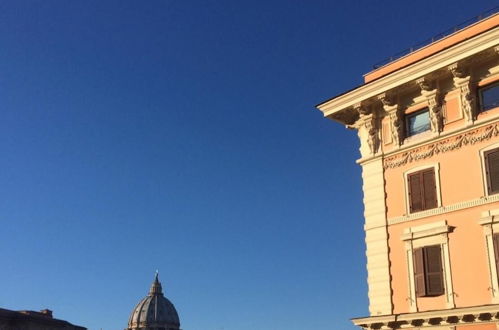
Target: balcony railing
{"points": [[437, 37]]}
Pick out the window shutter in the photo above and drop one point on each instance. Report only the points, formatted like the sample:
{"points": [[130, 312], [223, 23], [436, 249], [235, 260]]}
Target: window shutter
{"points": [[415, 192], [496, 250], [419, 277], [434, 273], [430, 189], [493, 170]]}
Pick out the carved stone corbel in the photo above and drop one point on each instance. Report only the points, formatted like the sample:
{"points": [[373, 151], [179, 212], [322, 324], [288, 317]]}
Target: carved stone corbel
{"points": [[367, 123], [424, 84], [396, 120], [435, 109], [462, 82]]}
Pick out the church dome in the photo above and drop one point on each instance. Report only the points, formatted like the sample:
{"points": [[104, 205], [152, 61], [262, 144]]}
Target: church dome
{"points": [[154, 311]]}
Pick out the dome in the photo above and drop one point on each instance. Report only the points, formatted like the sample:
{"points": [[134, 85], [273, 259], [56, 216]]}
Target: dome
{"points": [[154, 311]]}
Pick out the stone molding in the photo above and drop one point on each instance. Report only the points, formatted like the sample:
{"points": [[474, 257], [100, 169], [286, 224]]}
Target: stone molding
{"points": [[449, 144], [436, 228], [439, 319], [445, 209]]}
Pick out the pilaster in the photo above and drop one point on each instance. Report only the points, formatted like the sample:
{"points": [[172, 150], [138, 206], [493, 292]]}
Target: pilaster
{"points": [[378, 265]]}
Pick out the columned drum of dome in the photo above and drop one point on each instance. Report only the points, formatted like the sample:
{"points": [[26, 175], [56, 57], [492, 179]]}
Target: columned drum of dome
{"points": [[154, 312]]}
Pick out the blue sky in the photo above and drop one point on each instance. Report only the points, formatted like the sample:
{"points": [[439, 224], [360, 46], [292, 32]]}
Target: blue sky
{"points": [[182, 136]]}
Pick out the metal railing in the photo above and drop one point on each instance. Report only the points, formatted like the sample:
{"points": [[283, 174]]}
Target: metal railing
{"points": [[437, 37]]}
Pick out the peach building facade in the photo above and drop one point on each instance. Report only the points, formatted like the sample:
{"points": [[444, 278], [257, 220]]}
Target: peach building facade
{"points": [[428, 125]]}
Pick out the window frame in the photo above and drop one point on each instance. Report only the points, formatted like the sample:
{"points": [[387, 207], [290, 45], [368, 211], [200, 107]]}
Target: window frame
{"points": [[485, 175], [436, 171], [480, 91], [412, 114], [490, 224], [434, 233]]}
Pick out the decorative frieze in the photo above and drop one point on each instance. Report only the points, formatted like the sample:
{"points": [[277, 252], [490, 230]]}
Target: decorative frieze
{"points": [[449, 144]]}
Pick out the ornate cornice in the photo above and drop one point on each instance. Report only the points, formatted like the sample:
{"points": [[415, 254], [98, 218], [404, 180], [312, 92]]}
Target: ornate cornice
{"points": [[443, 146], [465, 49], [447, 317]]}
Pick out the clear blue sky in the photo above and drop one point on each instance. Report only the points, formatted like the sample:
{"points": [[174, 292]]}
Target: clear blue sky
{"points": [[182, 136]]}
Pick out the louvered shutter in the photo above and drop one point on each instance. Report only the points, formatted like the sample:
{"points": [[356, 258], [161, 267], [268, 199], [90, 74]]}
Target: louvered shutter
{"points": [[493, 171], [429, 190], [496, 250], [419, 276], [415, 192], [434, 272]]}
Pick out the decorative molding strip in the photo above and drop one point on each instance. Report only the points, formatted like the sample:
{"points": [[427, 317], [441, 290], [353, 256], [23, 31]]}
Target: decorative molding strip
{"points": [[450, 144], [445, 209], [425, 230], [432, 319]]}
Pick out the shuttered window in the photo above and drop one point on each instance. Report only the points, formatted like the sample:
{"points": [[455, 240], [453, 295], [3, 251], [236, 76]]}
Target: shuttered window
{"points": [[428, 272], [423, 190], [492, 169]]}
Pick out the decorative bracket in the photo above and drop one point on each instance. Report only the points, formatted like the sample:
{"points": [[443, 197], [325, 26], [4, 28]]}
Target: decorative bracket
{"points": [[395, 114], [368, 122], [435, 110], [462, 82]]}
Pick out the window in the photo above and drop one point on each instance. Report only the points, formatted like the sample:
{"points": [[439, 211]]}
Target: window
{"points": [[492, 170], [428, 272], [428, 262], [489, 97], [417, 122], [423, 190], [490, 224]]}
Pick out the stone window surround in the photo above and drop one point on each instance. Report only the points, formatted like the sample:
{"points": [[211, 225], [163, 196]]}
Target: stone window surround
{"points": [[490, 223], [424, 235]]}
